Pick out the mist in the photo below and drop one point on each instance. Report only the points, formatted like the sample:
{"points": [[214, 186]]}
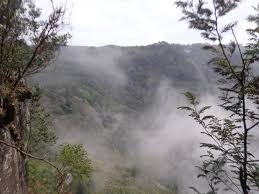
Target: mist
{"points": [[131, 120]]}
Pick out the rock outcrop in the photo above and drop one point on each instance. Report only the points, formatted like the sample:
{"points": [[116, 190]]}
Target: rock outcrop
{"points": [[12, 162]]}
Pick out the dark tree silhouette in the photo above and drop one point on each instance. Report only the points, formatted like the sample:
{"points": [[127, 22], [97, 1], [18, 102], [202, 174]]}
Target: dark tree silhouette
{"points": [[228, 158]]}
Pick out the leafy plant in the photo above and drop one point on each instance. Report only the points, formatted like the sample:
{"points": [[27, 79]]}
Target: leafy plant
{"points": [[41, 178], [74, 161], [41, 136], [228, 161]]}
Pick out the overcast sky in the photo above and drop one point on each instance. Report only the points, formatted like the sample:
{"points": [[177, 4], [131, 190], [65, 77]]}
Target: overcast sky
{"points": [[134, 22]]}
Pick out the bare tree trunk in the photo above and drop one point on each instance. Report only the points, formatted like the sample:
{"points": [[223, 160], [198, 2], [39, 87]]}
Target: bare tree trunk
{"points": [[13, 163]]}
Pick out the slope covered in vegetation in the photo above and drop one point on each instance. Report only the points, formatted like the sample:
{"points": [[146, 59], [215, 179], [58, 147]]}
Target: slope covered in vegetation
{"points": [[96, 95]]}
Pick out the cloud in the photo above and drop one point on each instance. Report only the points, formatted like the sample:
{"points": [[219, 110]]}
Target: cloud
{"points": [[135, 22], [167, 141]]}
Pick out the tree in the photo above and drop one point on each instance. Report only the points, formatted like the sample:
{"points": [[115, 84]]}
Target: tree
{"points": [[71, 159], [41, 136], [228, 155], [28, 43], [41, 178], [40, 141], [75, 164], [76, 171]]}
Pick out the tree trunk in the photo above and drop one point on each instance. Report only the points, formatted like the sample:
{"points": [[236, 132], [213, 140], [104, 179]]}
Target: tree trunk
{"points": [[12, 162]]}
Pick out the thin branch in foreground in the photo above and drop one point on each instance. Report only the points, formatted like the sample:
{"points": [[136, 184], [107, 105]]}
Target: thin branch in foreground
{"points": [[253, 126], [31, 156]]}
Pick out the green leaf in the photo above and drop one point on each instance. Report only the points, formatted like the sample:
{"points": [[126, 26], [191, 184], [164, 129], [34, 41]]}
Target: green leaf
{"points": [[191, 98], [208, 117], [74, 160], [186, 108], [204, 109], [195, 190]]}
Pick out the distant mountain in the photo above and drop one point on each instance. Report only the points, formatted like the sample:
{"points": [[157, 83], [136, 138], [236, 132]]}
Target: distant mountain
{"points": [[97, 94], [130, 75]]}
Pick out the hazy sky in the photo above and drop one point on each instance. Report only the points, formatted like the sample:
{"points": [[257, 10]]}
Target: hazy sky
{"points": [[134, 22]]}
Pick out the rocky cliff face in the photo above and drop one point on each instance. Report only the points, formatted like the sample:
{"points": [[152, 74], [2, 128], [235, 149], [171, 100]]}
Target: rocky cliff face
{"points": [[12, 162]]}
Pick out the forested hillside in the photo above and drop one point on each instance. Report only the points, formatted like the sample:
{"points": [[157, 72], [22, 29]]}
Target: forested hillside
{"points": [[103, 96], [112, 119], [126, 76]]}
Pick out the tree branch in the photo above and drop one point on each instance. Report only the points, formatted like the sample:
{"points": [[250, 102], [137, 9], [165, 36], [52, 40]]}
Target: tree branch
{"points": [[222, 47], [254, 125], [238, 46], [31, 156]]}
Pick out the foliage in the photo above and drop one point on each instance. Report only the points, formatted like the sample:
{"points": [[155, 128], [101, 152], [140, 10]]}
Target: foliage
{"points": [[41, 136], [74, 160], [41, 141], [228, 157], [41, 178], [130, 181], [28, 42]]}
